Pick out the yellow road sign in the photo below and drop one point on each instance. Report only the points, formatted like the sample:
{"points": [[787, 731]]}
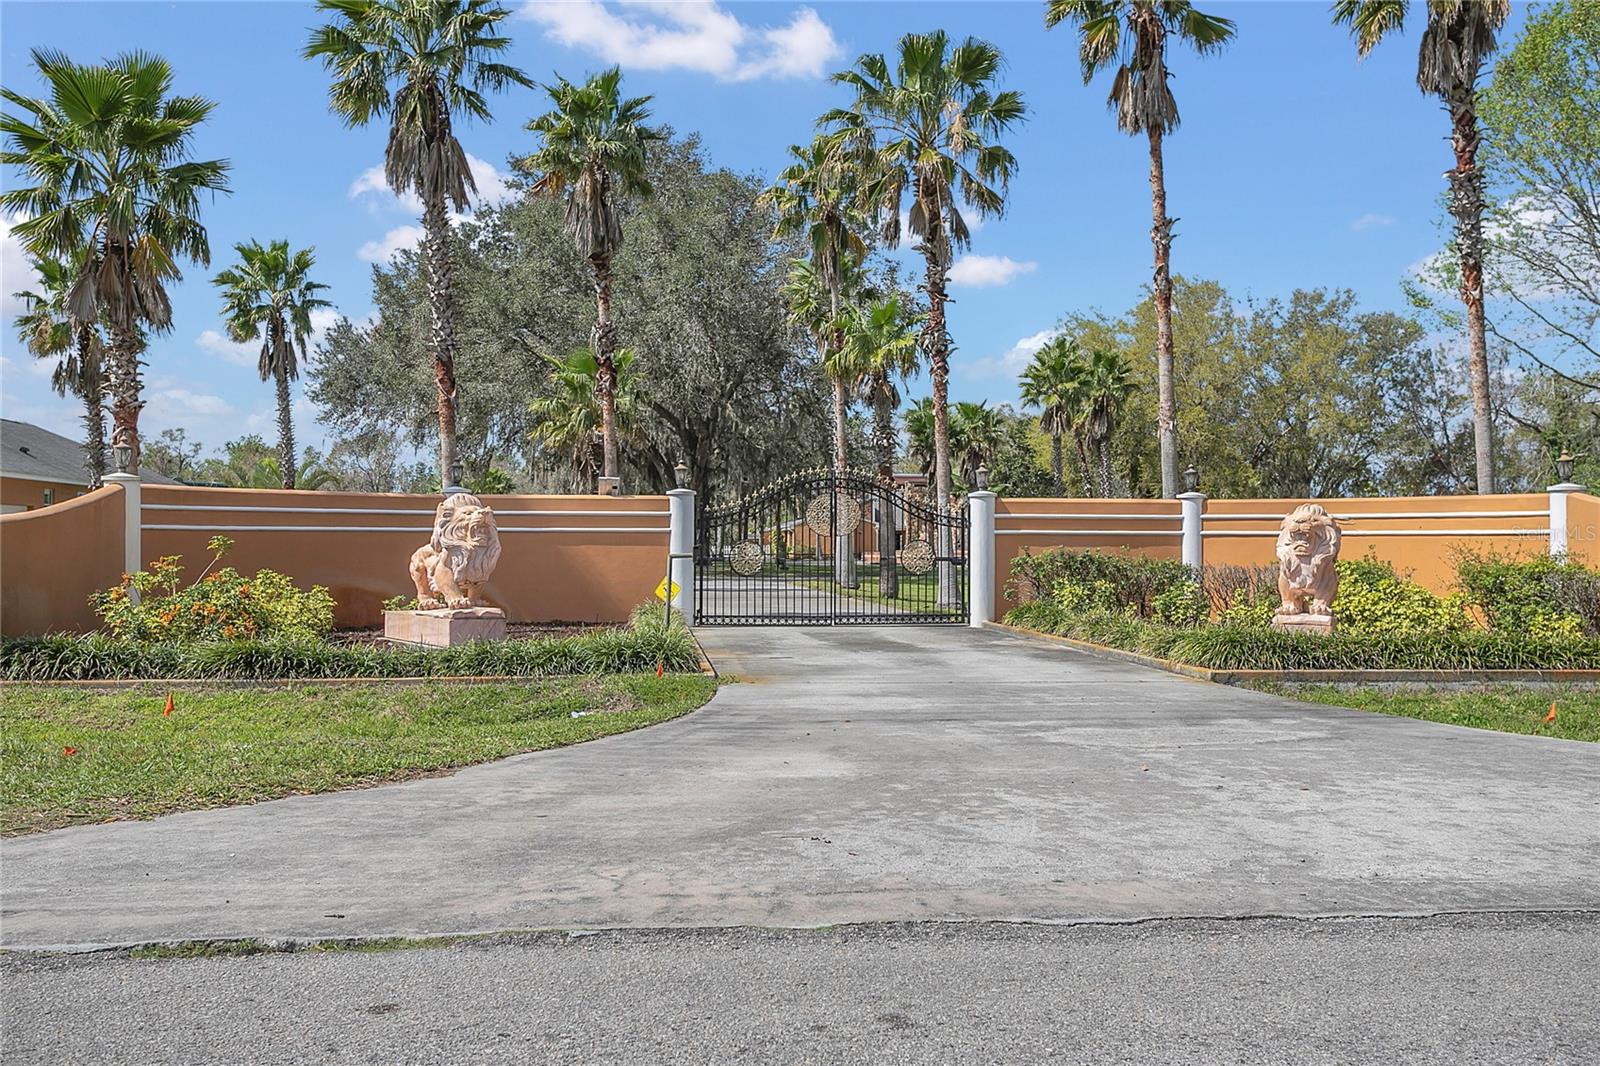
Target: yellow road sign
{"points": [[664, 590]]}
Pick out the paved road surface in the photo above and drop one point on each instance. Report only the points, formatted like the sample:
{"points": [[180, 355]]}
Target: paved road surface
{"points": [[879, 774], [1393, 991]]}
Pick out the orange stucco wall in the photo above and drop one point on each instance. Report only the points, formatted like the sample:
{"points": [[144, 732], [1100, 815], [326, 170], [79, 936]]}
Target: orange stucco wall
{"points": [[1583, 528], [53, 558], [577, 559], [1142, 527], [22, 492], [1422, 536]]}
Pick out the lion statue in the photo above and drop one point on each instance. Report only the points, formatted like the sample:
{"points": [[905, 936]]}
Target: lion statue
{"points": [[1308, 548], [453, 567]]}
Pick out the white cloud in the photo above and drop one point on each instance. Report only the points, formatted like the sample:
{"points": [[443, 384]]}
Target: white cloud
{"points": [[16, 272], [1013, 360], [1372, 220], [982, 271], [696, 35], [239, 353], [176, 404], [396, 240]]}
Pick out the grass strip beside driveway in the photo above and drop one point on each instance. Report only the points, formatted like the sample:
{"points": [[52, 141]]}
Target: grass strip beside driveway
{"points": [[1507, 708], [69, 757]]}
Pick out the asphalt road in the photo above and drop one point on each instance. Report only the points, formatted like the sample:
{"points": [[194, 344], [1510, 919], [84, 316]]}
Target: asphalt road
{"points": [[866, 775], [1465, 989]]}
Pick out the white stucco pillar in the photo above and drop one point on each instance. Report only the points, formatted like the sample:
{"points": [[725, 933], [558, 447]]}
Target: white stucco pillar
{"points": [[980, 558], [1193, 551], [680, 542], [1558, 515], [132, 547]]}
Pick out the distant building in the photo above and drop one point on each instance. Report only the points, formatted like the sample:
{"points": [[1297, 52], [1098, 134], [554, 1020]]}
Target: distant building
{"points": [[39, 468]]}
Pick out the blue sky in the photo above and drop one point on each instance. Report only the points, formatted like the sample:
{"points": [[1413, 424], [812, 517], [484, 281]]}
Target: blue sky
{"points": [[1296, 166]]}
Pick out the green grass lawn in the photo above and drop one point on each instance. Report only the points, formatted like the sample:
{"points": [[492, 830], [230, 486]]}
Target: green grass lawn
{"points": [[1507, 708], [69, 757]]}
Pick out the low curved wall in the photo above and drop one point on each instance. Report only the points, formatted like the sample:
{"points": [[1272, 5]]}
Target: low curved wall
{"points": [[53, 558]]}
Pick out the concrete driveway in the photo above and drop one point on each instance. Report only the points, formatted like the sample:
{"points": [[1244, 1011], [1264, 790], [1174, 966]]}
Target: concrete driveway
{"points": [[873, 774]]}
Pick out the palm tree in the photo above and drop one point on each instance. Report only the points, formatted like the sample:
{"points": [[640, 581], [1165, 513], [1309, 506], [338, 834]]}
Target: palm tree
{"points": [[816, 197], [931, 124], [881, 345], [919, 436], [1132, 36], [975, 427], [568, 421], [593, 152], [268, 295], [47, 330], [117, 195], [1053, 384], [1459, 37], [420, 63], [1108, 382]]}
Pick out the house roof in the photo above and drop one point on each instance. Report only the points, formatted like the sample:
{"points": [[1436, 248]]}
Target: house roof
{"points": [[31, 451]]}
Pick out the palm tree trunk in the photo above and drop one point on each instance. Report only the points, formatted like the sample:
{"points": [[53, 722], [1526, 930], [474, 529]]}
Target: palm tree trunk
{"points": [[1083, 463], [883, 439], [94, 419], [285, 428], [1466, 204], [437, 229], [605, 350], [936, 342], [844, 550], [125, 388], [1103, 447], [1057, 473], [1161, 238]]}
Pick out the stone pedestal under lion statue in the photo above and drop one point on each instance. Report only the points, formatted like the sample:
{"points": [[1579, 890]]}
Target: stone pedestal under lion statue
{"points": [[1308, 577], [449, 572]]}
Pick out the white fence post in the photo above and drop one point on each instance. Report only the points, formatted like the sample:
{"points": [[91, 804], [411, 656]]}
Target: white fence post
{"points": [[980, 558], [132, 549], [1558, 515], [680, 542], [1194, 555]]}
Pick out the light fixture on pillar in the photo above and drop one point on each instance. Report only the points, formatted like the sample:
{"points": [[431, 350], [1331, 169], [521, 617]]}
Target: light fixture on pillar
{"points": [[983, 478], [1564, 463], [1191, 479], [680, 474], [122, 456], [457, 472]]}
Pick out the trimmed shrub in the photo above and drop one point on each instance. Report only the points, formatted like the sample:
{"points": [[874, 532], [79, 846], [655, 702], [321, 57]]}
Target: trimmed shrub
{"points": [[1373, 599], [1096, 581], [1539, 595], [221, 605]]}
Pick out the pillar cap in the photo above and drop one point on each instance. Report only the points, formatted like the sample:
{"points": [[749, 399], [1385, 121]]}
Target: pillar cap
{"points": [[1565, 486]]}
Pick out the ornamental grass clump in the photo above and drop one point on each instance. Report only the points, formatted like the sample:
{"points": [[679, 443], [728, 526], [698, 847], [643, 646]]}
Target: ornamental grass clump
{"points": [[98, 657], [156, 606]]}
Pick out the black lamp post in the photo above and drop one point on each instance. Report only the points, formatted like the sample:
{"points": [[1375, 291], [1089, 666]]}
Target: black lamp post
{"points": [[680, 474], [1191, 479], [983, 478], [1564, 463], [457, 472], [122, 456]]}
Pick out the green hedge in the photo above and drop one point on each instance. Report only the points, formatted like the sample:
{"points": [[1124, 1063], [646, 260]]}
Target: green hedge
{"points": [[1228, 648], [97, 657]]}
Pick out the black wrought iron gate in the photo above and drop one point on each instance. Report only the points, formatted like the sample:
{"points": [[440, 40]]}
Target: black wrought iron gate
{"points": [[825, 548]]}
